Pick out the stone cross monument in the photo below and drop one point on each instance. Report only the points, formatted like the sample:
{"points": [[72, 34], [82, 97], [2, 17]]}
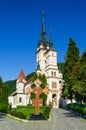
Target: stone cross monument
{"points": [[37, 90]]}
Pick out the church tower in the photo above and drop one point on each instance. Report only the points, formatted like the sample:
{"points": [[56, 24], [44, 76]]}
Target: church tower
{"points": [[46, 58], [41, 49]]}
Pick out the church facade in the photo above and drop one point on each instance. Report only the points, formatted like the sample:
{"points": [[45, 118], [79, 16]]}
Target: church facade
{"points": [[46, 62]]}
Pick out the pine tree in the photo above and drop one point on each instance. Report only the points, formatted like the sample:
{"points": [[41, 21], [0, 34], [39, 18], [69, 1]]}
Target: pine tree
{"points": [[79, 86], [71, 58], [3, 96]]}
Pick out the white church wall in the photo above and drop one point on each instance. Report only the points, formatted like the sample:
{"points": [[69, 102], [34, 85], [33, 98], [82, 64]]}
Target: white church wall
{"points": [[21, 99], [20, 87], [11, 101], [41, 60], [49, 98]]}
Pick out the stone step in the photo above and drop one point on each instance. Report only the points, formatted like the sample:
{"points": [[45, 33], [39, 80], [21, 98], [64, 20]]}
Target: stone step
{"points": [[37, 117]]}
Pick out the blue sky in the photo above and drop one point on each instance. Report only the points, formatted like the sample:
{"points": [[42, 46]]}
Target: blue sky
{"points": [[20, 28]]}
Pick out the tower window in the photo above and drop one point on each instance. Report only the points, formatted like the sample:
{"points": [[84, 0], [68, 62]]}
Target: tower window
{"points": [[20, 99], [54, 84], [59, 82], [52, 73]]}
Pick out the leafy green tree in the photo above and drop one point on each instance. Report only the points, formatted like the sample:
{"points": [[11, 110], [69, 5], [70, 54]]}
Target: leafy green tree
{"points": [[71, 58]]}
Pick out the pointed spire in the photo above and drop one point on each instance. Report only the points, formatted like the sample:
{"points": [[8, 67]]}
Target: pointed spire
{"points": [[50, 42], [21, 76], [50, 35], [43, 33], [43, 27]]}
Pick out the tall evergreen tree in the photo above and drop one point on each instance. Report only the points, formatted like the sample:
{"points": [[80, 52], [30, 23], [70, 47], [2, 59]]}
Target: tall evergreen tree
{"points": [[3, 96], [71, 58], [79, 87]]}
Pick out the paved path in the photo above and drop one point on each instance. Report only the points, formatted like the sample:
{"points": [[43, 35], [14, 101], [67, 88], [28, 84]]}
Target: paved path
{"points": [[61, 120]]}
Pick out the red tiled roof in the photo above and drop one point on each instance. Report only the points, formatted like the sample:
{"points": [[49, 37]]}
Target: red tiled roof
{"points": [[28, 82], [21, 76]]}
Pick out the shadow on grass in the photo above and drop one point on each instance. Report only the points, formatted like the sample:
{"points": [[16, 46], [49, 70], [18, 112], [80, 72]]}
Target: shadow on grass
{"points": [[2, 116]]}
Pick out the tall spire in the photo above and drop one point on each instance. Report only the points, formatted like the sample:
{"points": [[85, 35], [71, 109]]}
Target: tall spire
{"points": [[50, 42], [43, 33], [43, 27], [50, 35]]}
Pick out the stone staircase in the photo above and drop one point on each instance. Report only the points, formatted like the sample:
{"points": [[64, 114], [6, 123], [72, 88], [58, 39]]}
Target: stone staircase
{"points": [[37, 117]]}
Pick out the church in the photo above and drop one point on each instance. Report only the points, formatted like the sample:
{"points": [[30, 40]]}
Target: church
{"points": [[46, 63]]}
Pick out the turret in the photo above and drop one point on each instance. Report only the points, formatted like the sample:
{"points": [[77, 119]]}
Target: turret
{"points": [[20, 82]]}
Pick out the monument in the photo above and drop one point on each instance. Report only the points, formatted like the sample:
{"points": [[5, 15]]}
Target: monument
{"points": [[37, 90]]}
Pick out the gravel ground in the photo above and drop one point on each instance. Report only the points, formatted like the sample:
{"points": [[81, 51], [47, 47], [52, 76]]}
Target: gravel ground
{"points": [[60, 120]]}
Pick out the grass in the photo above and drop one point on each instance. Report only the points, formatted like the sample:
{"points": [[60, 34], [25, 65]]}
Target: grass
{"points": [[29, 110], [80, 108]]}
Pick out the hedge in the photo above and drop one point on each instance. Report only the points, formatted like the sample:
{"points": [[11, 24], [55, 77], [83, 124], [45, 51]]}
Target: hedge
{"points": [[80, 108], [18, 114]]}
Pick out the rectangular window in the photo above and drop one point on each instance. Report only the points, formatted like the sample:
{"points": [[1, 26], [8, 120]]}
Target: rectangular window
{"points": [[20, 99], [51, 73], [54, 73], [54, 84]]}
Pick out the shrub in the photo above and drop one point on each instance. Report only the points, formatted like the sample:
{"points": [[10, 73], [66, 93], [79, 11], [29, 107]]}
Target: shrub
{"points": [[80, 108], [9, 108], [46, 111], [3, 108], [20, 115], [27, 107]]}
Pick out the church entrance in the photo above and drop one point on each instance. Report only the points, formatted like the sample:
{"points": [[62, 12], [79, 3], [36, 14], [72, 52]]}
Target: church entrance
{"points": [[54, 101]]}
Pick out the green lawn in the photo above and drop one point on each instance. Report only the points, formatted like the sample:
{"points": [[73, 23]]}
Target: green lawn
{"points": [[25, 112]]}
